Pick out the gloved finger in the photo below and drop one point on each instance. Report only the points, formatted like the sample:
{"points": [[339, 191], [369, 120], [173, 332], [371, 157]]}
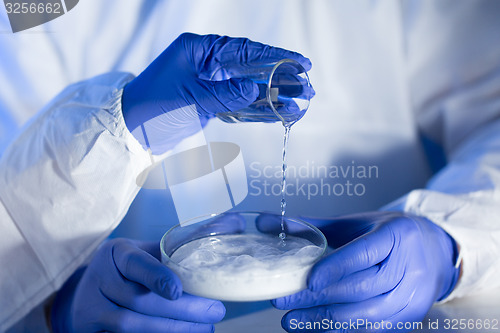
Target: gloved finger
{"points": [[187, 308], [287, 108], [139, 266], [224, 49], [373, 310], [126, 321], [294, 93], [153, 248], [356, 287], [360, 254], [292, 86], [343, 229], [289, 111], [227, 95]]}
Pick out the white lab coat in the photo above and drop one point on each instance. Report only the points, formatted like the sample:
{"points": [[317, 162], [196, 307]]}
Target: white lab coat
{"points": [[386, 73]]}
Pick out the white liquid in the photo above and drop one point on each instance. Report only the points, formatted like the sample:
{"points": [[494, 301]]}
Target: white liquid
{"points": [[246, 267]]}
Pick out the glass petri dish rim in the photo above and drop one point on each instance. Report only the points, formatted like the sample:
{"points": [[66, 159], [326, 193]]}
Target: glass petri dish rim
{"points": [[318, 232]]}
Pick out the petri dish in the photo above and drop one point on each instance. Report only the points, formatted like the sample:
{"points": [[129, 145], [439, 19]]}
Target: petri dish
{"points": [[240, 256]]}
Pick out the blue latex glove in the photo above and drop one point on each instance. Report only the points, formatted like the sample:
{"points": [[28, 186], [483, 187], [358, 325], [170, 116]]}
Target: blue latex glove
{"points": [[387, 266], [127, 289], [174, 94]]}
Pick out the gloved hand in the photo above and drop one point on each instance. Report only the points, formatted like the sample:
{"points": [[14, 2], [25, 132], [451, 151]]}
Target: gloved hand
{"points": [[175, 92], [387, 266], [125, 288]]}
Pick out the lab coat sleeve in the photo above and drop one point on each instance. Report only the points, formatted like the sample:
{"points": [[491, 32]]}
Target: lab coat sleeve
{"points": [[464, 199], [65, 183]]}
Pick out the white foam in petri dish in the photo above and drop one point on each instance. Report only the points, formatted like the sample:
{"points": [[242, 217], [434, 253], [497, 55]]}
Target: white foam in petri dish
{"points": [[229, 258]]}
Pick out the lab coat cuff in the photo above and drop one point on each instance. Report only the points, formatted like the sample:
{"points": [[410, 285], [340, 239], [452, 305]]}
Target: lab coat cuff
{"points": [[133, 145], [115, 108], [408, 204], [113, 105]]}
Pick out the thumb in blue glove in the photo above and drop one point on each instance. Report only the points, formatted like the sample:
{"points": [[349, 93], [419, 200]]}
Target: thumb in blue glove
{"points": [[390, 267], [170, 98], [125, 288]]}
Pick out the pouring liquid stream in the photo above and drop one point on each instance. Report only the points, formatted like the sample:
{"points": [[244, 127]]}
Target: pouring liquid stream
{"points": [[282, 235]]}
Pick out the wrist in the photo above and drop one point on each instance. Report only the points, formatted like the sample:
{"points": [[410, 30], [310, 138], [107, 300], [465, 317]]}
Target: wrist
{"points": [[60, 309], [132, 119]]}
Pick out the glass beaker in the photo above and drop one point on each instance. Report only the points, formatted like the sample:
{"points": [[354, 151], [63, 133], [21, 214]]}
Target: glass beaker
{"points": [[284, 91]]}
